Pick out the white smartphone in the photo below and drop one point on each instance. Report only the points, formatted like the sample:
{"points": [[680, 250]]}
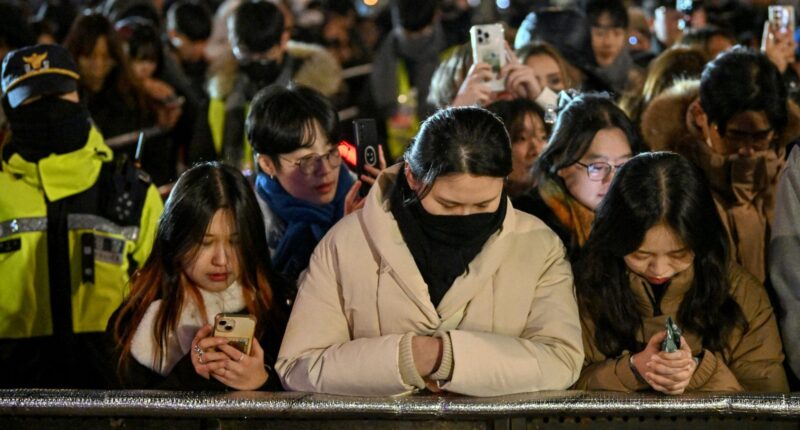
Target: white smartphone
{"points": [[781, 18], [238, 328], [488, 46]]}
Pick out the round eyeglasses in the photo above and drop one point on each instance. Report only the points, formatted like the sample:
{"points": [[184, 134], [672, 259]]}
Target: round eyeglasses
{"points": [[309, 163], [599, 170]]}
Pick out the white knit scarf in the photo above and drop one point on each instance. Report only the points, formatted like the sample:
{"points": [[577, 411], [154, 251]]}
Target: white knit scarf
{"points": [[179, 342]]}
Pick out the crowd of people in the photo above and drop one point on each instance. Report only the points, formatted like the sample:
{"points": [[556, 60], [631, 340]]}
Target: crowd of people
{"points": [[610, 207]]}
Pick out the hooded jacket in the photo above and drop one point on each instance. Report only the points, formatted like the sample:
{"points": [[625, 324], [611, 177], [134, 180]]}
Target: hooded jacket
{"points": [[508, 325], [220, 134], [745, 204], [784, 249]]}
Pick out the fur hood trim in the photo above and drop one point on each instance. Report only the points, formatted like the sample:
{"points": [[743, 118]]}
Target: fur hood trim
{"points": [[664, 125], [319, 71]]}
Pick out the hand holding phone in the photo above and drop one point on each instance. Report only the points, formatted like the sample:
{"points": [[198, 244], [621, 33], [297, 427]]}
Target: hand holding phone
{"points": [[777, 40], [488, 46], [237, 328]]}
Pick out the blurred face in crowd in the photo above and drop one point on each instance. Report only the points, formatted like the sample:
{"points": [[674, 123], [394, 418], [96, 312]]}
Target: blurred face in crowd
{"points": [[667, 25], [547, 71], [661, 256], [527, 142], [95, 67], [143, 69], [308, 173], [188, 51], [459, 194], [607, 40], [588, 179], [215, 264], [718, 44], [747, 134]]}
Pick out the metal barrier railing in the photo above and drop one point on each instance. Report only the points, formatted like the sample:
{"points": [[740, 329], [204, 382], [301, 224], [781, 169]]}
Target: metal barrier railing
{"points": [[33, 408]]}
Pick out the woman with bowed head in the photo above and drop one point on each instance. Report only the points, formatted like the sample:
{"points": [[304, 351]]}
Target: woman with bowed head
{"points": [[210, 256], [437, 282], [658, 251]]}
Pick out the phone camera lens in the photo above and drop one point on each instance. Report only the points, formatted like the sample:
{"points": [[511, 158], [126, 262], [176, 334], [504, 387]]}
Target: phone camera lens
{"points": [[480, 39], [223, 323], [228, 328]]}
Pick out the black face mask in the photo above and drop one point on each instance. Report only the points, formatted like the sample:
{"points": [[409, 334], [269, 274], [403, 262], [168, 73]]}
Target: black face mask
{"points": [[47, 126], [460, 230], [261, 72], [442, 245]]}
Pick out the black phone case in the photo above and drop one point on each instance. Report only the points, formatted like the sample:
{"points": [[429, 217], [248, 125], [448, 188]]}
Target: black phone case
{"points": [[366, 137]]}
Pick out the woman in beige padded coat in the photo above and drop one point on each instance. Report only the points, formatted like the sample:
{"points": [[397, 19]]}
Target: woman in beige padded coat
{"points": [[437, 282]]}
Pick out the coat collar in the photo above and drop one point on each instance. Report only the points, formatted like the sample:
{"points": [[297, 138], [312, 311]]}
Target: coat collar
{"points": [[387, 241], [63, 175], [671, 301]]}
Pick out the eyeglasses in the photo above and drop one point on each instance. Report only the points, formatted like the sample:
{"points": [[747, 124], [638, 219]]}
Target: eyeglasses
{"points": [[243, 55], [759, 140], [309, 163], [599, 170]]}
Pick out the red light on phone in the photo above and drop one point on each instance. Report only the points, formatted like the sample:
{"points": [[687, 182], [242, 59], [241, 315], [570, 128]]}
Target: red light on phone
{"points": [[348, 153]]}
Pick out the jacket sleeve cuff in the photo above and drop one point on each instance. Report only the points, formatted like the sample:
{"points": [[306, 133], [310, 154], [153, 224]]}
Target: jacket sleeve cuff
{"points": [[705, 369], [625, 374], [408, 370], [445, 370]]}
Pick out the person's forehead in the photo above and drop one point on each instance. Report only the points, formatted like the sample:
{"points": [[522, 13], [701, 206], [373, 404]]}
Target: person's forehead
{"points": [[749, 120]]}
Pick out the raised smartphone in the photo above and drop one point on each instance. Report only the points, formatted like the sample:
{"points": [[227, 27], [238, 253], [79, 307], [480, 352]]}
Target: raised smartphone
{"points": [[238, 328], [488, 46], [781, 18], [366, 137]]}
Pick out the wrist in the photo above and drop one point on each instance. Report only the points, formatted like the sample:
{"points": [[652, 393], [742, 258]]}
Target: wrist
{"points": [[427, 353], [635, 370]]}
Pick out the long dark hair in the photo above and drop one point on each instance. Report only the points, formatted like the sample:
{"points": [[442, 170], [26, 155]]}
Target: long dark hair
{"points": [[459, 140], [574, 131], [80, 42], [653, 188], [198, 195]]}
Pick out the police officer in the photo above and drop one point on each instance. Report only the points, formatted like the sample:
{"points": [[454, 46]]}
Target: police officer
{"points": [[74, 224]]}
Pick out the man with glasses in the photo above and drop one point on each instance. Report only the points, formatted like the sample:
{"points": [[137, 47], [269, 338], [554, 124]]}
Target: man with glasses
{"points": [[735, 124], [302, 187], [263, 55]]}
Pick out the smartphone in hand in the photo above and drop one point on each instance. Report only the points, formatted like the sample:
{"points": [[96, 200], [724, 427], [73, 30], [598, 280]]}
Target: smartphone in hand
{"points": [[237, 328], [488, 46], [366, 137], [672, 342], [781, 18]]}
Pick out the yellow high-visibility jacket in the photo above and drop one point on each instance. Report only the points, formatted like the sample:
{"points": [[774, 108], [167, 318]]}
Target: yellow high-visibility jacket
{"points": [[72, 228]]}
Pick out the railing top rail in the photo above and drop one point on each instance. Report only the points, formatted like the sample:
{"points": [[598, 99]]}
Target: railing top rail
{"points": [[98, 403]]}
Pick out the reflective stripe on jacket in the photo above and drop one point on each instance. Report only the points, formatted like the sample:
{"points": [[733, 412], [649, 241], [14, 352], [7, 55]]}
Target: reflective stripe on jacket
{"points": [[77, 180]]}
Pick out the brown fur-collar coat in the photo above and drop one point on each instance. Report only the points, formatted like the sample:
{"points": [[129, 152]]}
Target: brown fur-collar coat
{"points": [[745, 204]]}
